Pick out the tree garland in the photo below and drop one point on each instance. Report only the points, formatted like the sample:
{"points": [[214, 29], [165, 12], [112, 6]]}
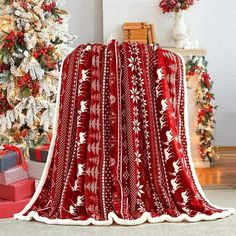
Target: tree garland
{"points": [[197, 68]]}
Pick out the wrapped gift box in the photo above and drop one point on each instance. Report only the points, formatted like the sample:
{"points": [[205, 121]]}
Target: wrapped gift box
{"points": [[13, 175], [9, 208], [35, 169], [17, 191], [9, 159], [39, 153]]}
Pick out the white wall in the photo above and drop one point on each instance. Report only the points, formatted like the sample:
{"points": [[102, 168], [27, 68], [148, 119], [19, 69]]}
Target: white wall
{"points": [[86, 20], [213, 24]]}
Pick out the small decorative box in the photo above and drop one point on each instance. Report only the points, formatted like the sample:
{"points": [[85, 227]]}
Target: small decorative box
{"points": [[35, 169], [39, 153]]}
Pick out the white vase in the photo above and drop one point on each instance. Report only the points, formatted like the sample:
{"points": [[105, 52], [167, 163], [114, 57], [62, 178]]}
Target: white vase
{"points": [[179, 31]]}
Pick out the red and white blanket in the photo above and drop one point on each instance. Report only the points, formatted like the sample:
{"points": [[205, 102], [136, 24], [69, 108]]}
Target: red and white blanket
{"points": [[120, 150]]}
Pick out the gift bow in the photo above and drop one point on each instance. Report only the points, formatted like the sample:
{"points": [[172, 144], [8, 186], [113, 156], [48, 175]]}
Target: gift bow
{"points": [[19, 152], [45, 146]]}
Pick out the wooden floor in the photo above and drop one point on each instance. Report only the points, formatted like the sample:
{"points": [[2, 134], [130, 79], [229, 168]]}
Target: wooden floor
{"points": [[222, 174]]}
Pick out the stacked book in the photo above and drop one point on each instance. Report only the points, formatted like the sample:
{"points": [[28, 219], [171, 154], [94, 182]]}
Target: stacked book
{"points": [[139, 32], [16, 188]]}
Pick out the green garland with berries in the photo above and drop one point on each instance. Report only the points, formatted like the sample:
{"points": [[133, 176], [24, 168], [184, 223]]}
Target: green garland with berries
{"points": [[197, 68]]}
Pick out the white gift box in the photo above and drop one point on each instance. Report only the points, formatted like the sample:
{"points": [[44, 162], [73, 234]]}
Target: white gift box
{"points": [[35, 169]]}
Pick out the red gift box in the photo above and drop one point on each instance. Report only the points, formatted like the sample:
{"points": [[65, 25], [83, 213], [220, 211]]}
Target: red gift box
{"points": [[17, 191], [13, 175], [9, 208]]}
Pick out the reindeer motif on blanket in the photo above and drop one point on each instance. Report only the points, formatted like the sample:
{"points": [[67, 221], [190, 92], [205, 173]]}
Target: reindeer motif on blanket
{"points": [[83, 57], [168, 153], [82, 137], [163, 122], [169, 137], [178, 166], [75, 187], [185, 196], [85, 75], [164, 105], [80, 170], [159, 91], [175, 184], [160, 74], [188, 211], [73, 206], [84, 106], [80, 201], [72, 210]]}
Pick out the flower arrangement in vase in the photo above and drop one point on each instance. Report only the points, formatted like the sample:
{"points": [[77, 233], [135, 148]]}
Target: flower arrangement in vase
{"points": [[179, 31]]}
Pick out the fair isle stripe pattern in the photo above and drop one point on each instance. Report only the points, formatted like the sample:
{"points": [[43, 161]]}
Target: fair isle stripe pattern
{"points": [[120, 150]]}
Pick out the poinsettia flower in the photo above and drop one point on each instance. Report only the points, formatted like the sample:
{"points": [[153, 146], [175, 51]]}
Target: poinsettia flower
{"points": [[206, 79]]}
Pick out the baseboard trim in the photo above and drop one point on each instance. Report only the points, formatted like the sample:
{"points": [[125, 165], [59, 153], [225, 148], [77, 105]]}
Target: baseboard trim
{"points": [[219, 149], [218, 187]]}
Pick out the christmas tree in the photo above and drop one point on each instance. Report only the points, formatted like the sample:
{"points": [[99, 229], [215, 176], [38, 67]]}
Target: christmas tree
{"points": [[34, 40]]}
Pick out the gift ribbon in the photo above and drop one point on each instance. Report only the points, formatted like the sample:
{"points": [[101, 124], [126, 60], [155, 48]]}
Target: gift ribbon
{"points": [[38, 151], [19, 153]]}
